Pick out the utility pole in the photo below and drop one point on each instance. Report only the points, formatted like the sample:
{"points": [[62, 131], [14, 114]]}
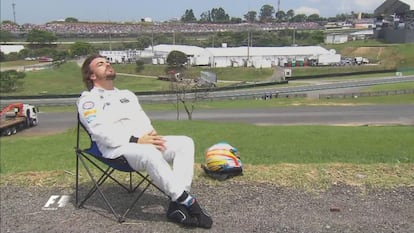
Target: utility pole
{"points": [[278, 6], [294, 36], [152, 39], [14, 12]]}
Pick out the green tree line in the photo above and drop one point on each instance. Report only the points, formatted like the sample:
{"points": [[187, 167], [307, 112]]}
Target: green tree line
{"points": [[267, 13]]}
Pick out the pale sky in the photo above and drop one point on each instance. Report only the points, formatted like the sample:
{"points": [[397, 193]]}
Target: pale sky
{"points": [[43, 11]]}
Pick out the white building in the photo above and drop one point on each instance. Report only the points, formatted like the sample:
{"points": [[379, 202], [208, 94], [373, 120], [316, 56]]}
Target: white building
{"points": [[261, 57], [6, 49], [118, 56], [160, 52], [336, 38]]}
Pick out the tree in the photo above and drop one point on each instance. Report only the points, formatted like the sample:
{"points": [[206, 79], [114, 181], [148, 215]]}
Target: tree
{"points": [[266, 13], [144, 41], [205, 17], [299, 18], [187, 93], [81, 48], [318, 37], [235, 20], [176, 59], [11, 80], [280, 16], [188, 16], [5, 36], [250, 16], [8, 22], [289, 14], [71, 20], [139, 66], [218, 15], [2, 56], [314, 18], [40, 37]]}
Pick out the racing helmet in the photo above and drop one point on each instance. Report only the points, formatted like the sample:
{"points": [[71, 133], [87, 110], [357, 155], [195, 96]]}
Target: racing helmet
{"points": [[222, 161]]}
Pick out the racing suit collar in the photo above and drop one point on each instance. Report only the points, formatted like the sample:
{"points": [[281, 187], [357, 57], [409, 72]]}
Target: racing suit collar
{"points": [[102, 90]]}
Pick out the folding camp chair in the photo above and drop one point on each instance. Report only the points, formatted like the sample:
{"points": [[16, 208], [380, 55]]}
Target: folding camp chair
{"points": [[92, 158]]}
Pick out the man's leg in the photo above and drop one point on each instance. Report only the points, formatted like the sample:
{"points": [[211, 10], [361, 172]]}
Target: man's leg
{"points": [[145, 157], [180, 153]]}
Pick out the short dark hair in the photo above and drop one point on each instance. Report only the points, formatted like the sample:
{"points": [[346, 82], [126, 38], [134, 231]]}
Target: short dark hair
{"points": [[86, 70]]}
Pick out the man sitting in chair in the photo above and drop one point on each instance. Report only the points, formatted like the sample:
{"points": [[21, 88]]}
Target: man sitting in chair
{"points": [[117, 123]]}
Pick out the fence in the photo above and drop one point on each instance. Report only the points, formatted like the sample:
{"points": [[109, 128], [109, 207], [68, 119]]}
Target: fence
{"points": [[365, 94]]}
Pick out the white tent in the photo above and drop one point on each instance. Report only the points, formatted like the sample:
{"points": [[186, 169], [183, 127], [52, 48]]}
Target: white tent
{"points": [[162, 51], [6, 49], [260, 57]]}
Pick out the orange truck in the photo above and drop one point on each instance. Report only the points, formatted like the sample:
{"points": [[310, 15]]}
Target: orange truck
{"points": [[17, 116]]}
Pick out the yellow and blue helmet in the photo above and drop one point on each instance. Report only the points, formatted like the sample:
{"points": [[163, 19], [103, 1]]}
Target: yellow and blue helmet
{"points": [[222, 161]]}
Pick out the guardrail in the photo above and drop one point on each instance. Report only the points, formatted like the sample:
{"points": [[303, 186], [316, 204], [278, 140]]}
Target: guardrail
{"points": [[342, 74], [365, 94]]}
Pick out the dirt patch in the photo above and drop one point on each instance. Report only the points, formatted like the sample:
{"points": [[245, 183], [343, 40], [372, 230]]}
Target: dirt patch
{"points": [[235, 207], [370, 52]]}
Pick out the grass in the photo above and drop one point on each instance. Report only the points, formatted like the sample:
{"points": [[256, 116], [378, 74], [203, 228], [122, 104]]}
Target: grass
{"points": [[392, 86], [66, 79], [273, 103], [259, 145], [17, 63], [300, 156]]}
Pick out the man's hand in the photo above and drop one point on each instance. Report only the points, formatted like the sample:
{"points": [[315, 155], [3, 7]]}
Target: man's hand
{"points": [[154, 139]]}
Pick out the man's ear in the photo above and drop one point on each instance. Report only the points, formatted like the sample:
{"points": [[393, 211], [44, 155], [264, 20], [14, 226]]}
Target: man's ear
{"points": [[92, 77]]}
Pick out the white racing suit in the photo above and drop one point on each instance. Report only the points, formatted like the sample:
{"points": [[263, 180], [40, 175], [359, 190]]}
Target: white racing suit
{"points": [[113, 116]]}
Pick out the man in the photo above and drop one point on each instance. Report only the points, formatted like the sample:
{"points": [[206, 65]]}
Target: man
{"points": [[120, 127]]}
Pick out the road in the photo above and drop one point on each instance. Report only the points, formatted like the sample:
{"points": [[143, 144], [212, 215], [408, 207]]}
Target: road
{"points": [[52, 122], [313, 89], [320, 115]]}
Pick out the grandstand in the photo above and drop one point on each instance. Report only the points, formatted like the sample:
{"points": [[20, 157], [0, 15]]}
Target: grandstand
{"points": [[391, 7], [395, 21], [100, 29]]}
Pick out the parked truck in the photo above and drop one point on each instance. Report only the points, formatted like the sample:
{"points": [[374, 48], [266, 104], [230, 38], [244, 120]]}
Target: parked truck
{"points": [[17, 116], [361, 60]]}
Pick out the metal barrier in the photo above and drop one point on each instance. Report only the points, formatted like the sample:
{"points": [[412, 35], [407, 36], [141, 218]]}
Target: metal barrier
{"points": [[365, 94]]}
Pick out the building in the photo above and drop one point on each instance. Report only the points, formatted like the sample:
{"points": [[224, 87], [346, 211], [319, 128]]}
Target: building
{"points": [[117, 56], [6, 49], [160, 52], [336, 38], [259, 57], [395, 21], [263, 57]]}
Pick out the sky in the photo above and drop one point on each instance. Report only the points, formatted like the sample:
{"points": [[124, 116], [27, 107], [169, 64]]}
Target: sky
{"points": [[43, 11]]}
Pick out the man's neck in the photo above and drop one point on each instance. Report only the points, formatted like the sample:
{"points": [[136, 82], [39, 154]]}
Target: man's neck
{"points": [[105, 85]]}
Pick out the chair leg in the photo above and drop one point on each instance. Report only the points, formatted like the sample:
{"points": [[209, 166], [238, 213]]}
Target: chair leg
{"points": [[122, 218], [146, 178], [97, 183], [77, 180], [130, 182], [97, 188]]}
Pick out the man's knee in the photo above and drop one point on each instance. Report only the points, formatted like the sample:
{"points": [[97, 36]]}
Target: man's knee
{"points": [[142, 155], [187, 141]]}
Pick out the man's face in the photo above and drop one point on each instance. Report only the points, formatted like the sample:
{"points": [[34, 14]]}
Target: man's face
{"points": [[101, 70]]}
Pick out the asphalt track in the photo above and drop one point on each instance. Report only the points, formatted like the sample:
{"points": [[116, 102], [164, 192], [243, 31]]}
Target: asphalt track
{"points": [[52, 122]]}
